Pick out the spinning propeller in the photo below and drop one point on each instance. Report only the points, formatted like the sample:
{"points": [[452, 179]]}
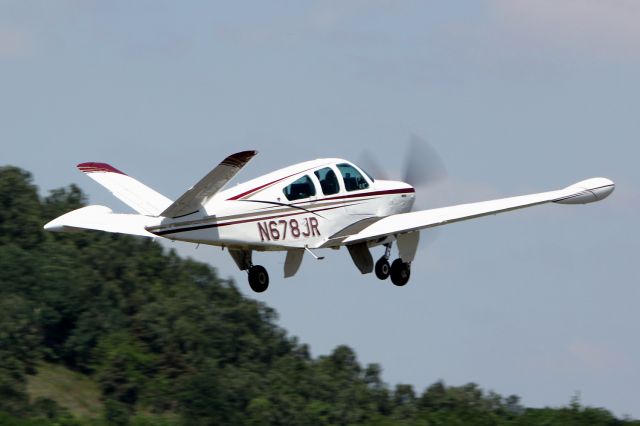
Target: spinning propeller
{"points": [[423, 167]]}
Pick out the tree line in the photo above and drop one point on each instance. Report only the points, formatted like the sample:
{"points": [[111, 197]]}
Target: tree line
{"points": [[168, 341]]}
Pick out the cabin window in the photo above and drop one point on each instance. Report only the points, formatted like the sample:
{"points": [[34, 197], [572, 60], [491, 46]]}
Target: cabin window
{"points": [[301, 188], [353, 179], [328, 181]]}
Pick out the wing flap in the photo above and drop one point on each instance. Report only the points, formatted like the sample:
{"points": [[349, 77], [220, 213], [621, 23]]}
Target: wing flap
{"points": [[583, 192], [192, 200]]}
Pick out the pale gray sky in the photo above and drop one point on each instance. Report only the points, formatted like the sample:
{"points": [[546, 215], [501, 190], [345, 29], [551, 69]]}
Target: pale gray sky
{"points": [[517, 96]]}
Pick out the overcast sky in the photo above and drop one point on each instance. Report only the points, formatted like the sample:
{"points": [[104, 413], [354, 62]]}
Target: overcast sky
{"points": [[516, 96]]}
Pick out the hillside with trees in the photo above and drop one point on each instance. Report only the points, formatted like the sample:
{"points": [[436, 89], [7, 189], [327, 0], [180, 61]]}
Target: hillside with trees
{"points": [[101, 329]]}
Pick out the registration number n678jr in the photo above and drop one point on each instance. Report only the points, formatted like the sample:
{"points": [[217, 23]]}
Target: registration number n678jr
{"points": [[282, 229]]}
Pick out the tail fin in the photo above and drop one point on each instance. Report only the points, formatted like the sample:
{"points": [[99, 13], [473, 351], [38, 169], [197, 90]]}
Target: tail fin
{"points": [[138, 196], [192, 201], [101, 218]]}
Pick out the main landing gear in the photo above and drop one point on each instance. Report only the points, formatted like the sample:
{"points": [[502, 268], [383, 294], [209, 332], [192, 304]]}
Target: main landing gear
{"points": [[383, 269], [258, 278], [399, 271]]}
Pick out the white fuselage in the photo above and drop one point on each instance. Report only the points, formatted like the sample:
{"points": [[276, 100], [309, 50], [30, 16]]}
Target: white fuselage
{"points": [[258, 213]]}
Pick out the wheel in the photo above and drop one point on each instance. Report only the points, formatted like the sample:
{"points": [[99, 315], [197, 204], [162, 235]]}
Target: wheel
{"points": [[382, 268], [258, 278], [400, 272]]}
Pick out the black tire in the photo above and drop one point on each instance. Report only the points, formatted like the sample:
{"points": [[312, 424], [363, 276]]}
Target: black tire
{"points": [[258, 278], [400, 272], [383, 269]]}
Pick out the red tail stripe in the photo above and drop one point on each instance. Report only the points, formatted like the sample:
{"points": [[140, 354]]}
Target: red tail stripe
{"points": [[98, 168]]}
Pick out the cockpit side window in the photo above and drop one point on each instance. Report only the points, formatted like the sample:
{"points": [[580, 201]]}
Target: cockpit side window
{"points": [[353, 179], [299, 189], [328, 181]]}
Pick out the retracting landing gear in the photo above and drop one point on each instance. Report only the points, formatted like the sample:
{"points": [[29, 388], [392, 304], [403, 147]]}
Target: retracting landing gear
{"points": [[383, 269], [258, 278], [400, 272], [258, 275]]}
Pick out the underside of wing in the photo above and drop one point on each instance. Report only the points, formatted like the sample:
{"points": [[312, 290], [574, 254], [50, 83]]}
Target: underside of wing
{"points": [[193, 200], [587, 191]]}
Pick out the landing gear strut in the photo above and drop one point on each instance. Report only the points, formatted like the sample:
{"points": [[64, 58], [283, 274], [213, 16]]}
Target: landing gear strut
{"points": [[400, 272], [258, 278]]}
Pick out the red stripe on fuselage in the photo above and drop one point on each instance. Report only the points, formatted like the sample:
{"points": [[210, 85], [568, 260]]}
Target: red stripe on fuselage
{"points": [[237, 222], [251, 191]]}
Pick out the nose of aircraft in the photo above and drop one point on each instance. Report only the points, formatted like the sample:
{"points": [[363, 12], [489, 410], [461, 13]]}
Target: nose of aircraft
{"points": [[395, 196], [399, 187], [407, 195], [412, 195]]}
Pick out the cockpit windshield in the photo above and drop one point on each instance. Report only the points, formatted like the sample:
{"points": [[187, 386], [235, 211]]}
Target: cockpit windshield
{"points": [[368, 174], [353, 179]]}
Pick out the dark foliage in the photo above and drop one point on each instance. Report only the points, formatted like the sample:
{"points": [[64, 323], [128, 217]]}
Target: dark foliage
{"points": [[169, 341]]}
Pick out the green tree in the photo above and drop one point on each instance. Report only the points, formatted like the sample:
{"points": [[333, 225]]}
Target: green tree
{"points": [[20, 211], [61, 201], [203, 398], [121, 366], [19, 351]]}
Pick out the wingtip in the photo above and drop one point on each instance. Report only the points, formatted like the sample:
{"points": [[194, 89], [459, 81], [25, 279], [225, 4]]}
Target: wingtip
{"points": [[239, 159], [92, 167], [588, 191], [246, 155]]}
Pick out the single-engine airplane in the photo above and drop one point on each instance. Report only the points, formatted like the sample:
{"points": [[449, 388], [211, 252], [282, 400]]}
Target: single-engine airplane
{"points": [[324, 203]]}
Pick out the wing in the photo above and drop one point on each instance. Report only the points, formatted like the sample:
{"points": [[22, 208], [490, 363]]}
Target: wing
{"points": [[192, 200], [135, 194], [587, 191]]}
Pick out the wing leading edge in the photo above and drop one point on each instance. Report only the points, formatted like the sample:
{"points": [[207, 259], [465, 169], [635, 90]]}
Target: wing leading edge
{"points": [[583, 192]]}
